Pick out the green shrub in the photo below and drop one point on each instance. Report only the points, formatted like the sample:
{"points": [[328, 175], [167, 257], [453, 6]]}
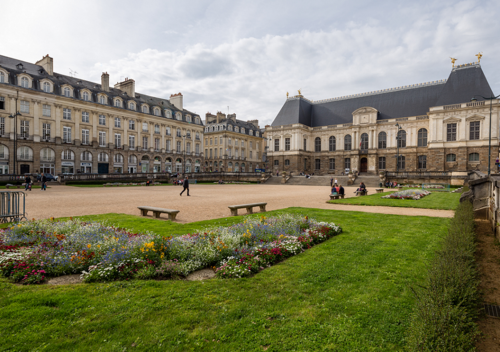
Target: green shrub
{"points": [[443, 318]]}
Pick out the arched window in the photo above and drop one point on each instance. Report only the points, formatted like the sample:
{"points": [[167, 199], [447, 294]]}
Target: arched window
{"points": [[178, 116], [67, 92], [178, 132], [347, 142], [474, 157], [317, 144], [46, 87], [24, 153], [401, 138], [451, 157], [102, 99], [103, 157], [197, 120], [86, 156], [67, 155], [131, 106], [382, 140], [364, 141], [145, 109], [157, 111], [230, 128], [422, 137], [332, 144], [4, 152], [47, 155], [118, 158], [188, 118], [2, 77], [25, 83], [118, 103], [86, 96], [132, 159]]}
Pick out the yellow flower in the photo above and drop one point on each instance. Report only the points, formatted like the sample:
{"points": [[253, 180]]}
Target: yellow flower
{"points": [[98, 246], [88, 246]]}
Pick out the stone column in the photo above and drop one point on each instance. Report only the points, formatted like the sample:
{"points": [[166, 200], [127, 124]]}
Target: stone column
{"points": [[58, 113], [111, 138], [77, 134], [36, 123], [94, 141], [125, 139], [151, 140], [163, 146]]}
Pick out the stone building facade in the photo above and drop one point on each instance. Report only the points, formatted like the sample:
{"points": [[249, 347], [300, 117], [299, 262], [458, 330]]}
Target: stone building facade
{"points": [[68, 125], [432, 126], [232, 145]]}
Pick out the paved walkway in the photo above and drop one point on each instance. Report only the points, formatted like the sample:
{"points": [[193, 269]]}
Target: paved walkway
{"points": [[207, 201]]}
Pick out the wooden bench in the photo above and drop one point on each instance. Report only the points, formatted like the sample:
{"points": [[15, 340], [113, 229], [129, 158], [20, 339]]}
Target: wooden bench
{"points": [[336, 196], [248, 207], [157, 211], [379, 190], [362, 193]]}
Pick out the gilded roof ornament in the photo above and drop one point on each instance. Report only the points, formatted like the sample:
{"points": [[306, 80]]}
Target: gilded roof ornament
{"points": [[453, 61], [479, 56]]}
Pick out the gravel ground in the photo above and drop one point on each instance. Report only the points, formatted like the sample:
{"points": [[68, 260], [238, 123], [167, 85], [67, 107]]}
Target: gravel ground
{"points": [[206, 202]]}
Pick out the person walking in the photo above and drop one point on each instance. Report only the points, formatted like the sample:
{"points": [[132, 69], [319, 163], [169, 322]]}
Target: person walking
{"points": [[43, 179], [331, 182], [185, 186], [336, 182], [27, 179]]}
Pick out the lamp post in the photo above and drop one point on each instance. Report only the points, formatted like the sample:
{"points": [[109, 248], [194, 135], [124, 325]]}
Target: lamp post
{"points": [[14, 116], [489, 144], [397, 146]]}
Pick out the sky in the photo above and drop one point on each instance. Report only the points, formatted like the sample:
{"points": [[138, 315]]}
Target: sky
{"points": [[244, 56]]}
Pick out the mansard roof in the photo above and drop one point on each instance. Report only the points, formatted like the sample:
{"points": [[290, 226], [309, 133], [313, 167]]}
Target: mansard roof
{"points": [[38, 73], [415, 100]]}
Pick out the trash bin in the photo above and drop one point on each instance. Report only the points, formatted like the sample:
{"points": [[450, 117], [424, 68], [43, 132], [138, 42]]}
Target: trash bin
{"points": [[380, 185]]}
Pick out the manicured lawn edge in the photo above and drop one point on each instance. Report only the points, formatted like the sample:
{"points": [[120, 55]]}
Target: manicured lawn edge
{"points": [[446, 307]]}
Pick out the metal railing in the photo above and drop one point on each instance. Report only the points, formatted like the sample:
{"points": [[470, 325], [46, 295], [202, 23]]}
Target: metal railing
{"points": [[420, 174], [12, 206], [104, 177]]}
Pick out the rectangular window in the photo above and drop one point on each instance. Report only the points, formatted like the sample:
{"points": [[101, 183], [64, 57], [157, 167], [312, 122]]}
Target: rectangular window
{"points": [[2, 102], [305, 144], [157, 143], [85, 136], [210, 153], [179, 147], [131, 125], [381, 163], [157, 128], [66, 134], [276, 162], [46, 110], [131, 141], [210, 141], [276, 145], [118, 140], [220, 140], [474, 129], [25, 129], [250, 154], [401, 162], [25, 106], [2, 126], [347, 163], [317, 164], [102, 120], [215, 153], [287, 143], [46, 131], [85, 117], [118, 122], [197, 149], [332, 164], [145, 127], [451, 132], [66, 114], [144, 142], [169, 146], [422, 161], [102, 138]]}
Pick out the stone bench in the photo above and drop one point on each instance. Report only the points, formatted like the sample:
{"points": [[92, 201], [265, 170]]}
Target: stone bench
{"points": [[379, 190], [157, 211], [336, 196], [362, 193], [248, 207]]}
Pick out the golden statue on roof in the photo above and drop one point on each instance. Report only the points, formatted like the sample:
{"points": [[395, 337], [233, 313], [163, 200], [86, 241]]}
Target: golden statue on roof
{"points": [[287, 95], [300, 92], [453, 61], [479, 56]]}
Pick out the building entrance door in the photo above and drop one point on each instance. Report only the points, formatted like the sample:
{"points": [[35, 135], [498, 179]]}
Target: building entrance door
{"points": [[364, 165], [25, 169]]}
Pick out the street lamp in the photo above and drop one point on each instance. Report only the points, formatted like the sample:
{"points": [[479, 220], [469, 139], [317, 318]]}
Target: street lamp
{"points": [[489, 145], [14, 116], [398, 138]]}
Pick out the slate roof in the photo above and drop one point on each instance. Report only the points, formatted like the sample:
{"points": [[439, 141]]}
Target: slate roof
{"points": [[415, 100], [246, 125], [38, 73]]}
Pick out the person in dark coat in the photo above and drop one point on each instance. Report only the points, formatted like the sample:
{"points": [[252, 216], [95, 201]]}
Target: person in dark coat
{"points": [[185, 186], [341, 190], [28, 182], [43, 179]]}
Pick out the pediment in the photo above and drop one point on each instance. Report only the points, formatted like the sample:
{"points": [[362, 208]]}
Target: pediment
{"points": [[365, 110], [475, 118], [451, 120]]}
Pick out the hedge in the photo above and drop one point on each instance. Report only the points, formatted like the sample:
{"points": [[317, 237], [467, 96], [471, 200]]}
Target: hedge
{"points": [[443, 318]]}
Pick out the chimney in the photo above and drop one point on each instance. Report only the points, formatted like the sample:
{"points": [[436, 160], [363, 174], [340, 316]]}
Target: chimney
{"points": [[47, 63], [209, 118], [127, 86], [254, 122], [220, 116], [232, 117], [105, 81], [176, 100]]}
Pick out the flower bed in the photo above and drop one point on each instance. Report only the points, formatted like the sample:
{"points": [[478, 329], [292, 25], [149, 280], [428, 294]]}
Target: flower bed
{"points": [[34, 250], [414, 194]]}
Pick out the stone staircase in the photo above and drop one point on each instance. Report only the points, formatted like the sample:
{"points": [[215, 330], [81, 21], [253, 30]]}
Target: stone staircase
{"points": [[274, 180], [369, 180]]}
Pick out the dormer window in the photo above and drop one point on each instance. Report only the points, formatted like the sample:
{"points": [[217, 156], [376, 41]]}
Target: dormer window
{"points": [[188, 118], [257, 134], [236, 129], [67, 92], [242, 130], [145, 109], [20, 66], [131, 106], [46, 87], [25, 83], [118, 103], [86, 96], [178, 116], [197, 120], [229, 128], [102, 99], [250, 133], [168, 114], [2, 77], [157, 112]]}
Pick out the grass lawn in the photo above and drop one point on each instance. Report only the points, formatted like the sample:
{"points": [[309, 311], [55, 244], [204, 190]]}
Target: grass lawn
{"points": [[350, 293], [435, 200]]}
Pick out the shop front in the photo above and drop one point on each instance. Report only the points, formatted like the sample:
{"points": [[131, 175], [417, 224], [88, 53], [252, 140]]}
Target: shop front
{"points": [[144, 164], [48, 168], [4, 167], [86, 168], [178, 165], [168, 165], [197, 165], [157, 164], [68, 167]]}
